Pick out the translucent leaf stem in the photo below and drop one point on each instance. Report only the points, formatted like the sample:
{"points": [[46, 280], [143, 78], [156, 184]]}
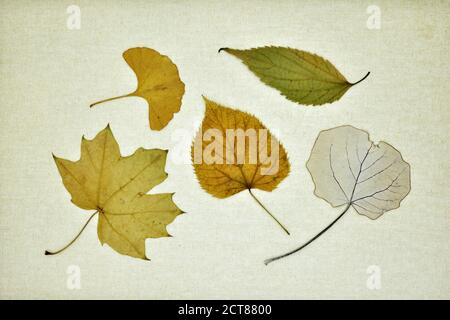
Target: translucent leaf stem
{"points": [[266, 262]]}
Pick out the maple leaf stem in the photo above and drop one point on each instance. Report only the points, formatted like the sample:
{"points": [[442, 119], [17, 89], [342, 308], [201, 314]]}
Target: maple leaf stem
{"points": [[363, 78], [110, 99], [266, 262], [265, 209], [50, 253]]}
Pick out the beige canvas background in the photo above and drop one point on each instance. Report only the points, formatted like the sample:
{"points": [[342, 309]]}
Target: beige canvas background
{"points": [[50, 75]]}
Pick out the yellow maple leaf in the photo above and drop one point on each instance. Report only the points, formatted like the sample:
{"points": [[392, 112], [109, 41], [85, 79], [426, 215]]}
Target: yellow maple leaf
{"points": [[234, 151], [158, 83], [115, 187]]}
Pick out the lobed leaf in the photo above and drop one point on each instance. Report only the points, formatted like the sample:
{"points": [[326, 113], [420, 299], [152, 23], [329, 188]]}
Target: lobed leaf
{"points": [[116, 187]]}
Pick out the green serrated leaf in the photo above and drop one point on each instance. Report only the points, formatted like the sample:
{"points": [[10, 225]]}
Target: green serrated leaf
{"points": [[300, 76]]}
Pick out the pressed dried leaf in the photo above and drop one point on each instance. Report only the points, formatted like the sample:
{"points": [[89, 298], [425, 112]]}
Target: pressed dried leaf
{"points": [[348, 168], [116, 188], [225, 179], [158, 83], [300, 76], [351, 171]]}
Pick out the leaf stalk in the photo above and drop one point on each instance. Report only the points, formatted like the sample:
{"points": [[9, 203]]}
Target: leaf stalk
{"points": [[266, 262], [362, 79], [50, 253], [270, 214], [110, 99]]}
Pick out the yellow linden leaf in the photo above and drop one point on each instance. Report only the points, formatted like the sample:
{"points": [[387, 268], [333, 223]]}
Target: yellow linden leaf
{"points": [[158, 83], [234, 151], [115, 187]]}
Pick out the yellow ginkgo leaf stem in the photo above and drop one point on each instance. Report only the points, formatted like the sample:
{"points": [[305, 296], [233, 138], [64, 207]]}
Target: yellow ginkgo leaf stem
{"points": [[110, 99], [50, 253], [270, 214]]}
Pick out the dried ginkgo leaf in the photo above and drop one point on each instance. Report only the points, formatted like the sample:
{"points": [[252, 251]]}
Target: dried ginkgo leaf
{"points": [[115, 187], [234, 151], [158, 83], [351, 171], [300, 76]]}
